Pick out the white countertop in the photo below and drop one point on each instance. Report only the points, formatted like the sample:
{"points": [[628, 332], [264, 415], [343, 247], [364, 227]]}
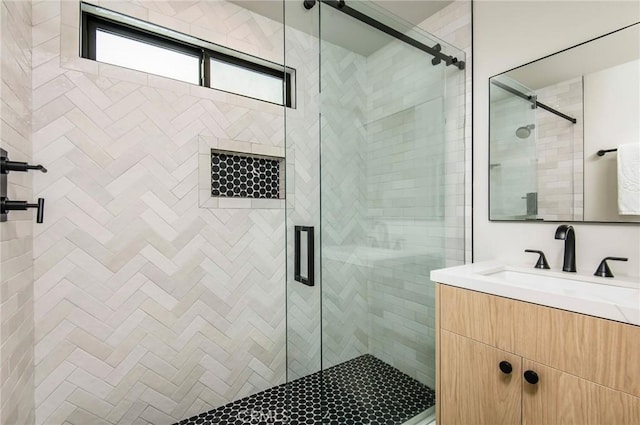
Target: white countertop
{"points": [[615, 298]]}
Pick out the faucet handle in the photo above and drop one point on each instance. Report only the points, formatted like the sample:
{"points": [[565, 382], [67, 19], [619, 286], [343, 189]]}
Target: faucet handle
{"points": [[603, 269], [542, 260], [6, 205]]}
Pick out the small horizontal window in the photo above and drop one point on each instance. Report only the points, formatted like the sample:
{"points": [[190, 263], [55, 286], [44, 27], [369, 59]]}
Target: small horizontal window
{"points": [[124, 51], [237, 79], [121, 40]]}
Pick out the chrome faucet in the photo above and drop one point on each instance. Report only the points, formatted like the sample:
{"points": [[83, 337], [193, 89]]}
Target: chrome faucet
{"points": [[566, 232]]}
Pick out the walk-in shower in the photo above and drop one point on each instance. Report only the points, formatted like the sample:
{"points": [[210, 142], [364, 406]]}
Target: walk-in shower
{"points": [[374, 194]]}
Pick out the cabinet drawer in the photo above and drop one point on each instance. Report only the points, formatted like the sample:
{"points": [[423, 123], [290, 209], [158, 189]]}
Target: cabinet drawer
{"points": [[485, 318], [598, 350]]}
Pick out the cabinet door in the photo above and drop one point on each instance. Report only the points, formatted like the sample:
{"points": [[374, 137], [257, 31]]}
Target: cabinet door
{"points": [[473, 389], [563, 399], [594, 349]]}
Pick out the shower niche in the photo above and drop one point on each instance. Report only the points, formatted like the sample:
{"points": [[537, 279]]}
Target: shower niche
{"points": [[238, 174], [242, 175]]}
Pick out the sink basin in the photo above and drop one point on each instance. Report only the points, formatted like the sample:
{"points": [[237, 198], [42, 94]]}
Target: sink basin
{"points": [[610, 298], [577, 286]]}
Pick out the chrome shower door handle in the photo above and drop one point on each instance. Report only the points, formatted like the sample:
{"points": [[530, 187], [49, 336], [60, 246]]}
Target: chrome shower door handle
{"points": [[304, 244]]}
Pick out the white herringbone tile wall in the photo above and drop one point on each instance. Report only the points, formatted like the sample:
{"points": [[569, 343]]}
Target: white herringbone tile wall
{"points": [[149, 309], [16, 234]]}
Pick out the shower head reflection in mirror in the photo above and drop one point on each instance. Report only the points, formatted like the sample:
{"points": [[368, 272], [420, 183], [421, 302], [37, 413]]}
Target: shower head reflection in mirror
{"points": [[525, 131]]}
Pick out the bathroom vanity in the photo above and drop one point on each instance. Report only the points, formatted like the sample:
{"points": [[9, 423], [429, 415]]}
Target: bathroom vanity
{"points": [[504, 360]]}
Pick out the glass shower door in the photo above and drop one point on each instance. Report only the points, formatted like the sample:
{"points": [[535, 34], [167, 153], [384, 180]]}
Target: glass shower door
{"points": [[384, 218], [375, 165], [302, 182]]}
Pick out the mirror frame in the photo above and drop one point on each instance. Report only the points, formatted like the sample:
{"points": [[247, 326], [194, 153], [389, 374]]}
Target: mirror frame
{"points": [[488, 165]]}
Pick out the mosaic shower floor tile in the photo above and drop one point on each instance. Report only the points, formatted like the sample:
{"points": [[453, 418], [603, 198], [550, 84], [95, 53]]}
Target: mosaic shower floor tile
{"points": [[361, 391]]}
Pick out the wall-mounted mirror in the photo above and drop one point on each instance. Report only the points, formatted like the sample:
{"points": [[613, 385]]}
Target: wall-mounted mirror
{"points": [[564, 134]]}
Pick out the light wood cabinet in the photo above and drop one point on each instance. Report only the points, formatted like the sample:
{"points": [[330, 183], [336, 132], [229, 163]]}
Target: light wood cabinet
{"points": [[561, 398], [475, 381], [588, 368]]}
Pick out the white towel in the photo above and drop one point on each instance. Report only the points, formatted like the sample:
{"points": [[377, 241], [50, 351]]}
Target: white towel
{"points": [[629, 179]]}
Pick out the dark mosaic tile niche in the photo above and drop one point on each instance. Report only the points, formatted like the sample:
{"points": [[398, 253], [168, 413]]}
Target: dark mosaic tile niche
{"points": [[245, 176], [361, 391]]}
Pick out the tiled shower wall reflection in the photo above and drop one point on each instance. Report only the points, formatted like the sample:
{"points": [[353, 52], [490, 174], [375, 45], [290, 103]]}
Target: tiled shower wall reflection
{"points": [[548, 162], [559, 146], [16, 234]]}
